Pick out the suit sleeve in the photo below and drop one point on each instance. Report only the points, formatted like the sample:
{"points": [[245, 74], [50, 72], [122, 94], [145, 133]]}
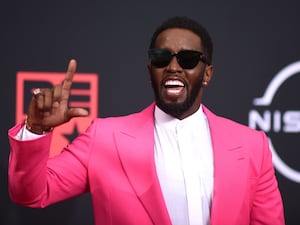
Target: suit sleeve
{"points": [[267, 206], [35, 180]]}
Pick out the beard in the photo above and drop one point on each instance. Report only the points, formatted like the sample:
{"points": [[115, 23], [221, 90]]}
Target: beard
{"points": [[177, 109]]}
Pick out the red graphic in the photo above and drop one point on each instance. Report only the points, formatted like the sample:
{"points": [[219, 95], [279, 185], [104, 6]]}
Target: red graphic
{"points": [[84, 94]]}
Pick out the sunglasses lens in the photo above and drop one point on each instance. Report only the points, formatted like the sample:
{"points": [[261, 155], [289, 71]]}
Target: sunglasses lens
{"points": [[188, 59], [160, 57]]}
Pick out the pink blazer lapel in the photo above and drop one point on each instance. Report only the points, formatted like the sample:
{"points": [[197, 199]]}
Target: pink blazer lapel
{"points": [[136, 150], [230, 184]]}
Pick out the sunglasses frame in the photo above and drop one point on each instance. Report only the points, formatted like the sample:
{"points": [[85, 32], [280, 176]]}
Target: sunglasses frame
{"points": [[166, 57]]}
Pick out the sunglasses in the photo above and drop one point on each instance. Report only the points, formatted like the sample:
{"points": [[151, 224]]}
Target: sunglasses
{"points": [[187, 59]]}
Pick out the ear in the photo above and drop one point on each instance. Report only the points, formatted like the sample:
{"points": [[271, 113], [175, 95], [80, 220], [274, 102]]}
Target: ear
{"points": [[209, 69], [149, 68]]}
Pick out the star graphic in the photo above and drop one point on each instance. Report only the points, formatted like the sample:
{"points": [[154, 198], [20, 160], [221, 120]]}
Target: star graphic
{"points": [[73, 135]]}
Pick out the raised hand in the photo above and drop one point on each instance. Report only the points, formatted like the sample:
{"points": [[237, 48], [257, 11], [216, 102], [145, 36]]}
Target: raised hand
{"points": [[49, 107]]}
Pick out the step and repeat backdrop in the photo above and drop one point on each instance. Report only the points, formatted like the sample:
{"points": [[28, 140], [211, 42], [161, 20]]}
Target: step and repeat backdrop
{"points": [[256, 78]]}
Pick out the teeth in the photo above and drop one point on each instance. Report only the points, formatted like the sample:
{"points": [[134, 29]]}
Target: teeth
{"points": [[174, 83]]}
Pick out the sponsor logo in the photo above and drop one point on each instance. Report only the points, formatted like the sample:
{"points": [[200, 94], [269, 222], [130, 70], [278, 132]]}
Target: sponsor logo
{"points": [[277, 113], [84, 94]]}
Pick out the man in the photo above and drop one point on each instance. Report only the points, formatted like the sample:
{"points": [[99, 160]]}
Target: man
{"points": [[175, 162]]}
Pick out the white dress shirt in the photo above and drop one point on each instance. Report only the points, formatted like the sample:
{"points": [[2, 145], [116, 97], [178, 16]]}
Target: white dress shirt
{"points": [[184, 164]]}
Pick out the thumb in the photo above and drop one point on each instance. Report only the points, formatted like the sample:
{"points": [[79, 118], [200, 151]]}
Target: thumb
{"points": [[76, 112]]}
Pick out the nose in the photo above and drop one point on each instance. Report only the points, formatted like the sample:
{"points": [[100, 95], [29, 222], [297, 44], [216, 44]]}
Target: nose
{"points": [[174, 65]]}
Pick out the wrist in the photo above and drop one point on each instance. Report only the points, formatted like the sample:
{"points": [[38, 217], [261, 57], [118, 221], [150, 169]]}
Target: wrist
{"points": [[37, 129]]}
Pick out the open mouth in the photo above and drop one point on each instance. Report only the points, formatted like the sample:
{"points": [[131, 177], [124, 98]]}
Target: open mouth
{"points": [[174, 87]]}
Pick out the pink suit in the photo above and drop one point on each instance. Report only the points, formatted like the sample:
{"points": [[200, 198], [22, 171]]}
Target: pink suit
{"points": [[114, 160]]}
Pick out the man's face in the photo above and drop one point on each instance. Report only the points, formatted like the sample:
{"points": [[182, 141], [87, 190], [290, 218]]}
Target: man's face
{"points": [[178, 91]]}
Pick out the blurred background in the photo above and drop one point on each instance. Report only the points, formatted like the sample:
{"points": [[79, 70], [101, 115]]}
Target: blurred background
{"points": [[253, 42]]}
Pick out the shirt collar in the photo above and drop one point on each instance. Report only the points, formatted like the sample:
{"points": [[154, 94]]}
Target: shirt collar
{"points": [[197, 119]]}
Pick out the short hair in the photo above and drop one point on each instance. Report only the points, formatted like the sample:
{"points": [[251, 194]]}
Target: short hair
{"points": [[184, 22]]}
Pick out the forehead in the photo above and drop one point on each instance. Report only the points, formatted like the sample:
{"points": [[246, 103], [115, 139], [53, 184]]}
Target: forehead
{"points": [[177, 39]]}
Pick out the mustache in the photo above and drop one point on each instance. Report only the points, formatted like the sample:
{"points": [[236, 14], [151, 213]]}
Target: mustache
{"points": [[176, 109]]}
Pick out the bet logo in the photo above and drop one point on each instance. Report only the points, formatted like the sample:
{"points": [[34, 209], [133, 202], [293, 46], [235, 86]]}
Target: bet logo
{"points": [[84, 94], [277, 113]]}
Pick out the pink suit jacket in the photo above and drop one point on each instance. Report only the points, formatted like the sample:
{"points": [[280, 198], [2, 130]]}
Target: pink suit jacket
{"points": [[114, 161]]}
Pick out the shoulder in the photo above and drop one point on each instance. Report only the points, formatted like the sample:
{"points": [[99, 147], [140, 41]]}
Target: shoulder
{"points": [[134, 119], [227, 129], [226, 123]]}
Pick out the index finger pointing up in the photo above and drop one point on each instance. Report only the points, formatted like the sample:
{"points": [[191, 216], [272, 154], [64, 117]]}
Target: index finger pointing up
{"points": [[67, 83], [70, 73]]}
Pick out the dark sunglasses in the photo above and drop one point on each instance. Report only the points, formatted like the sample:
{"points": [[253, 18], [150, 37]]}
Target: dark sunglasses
{"points": [[187, 59]]}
